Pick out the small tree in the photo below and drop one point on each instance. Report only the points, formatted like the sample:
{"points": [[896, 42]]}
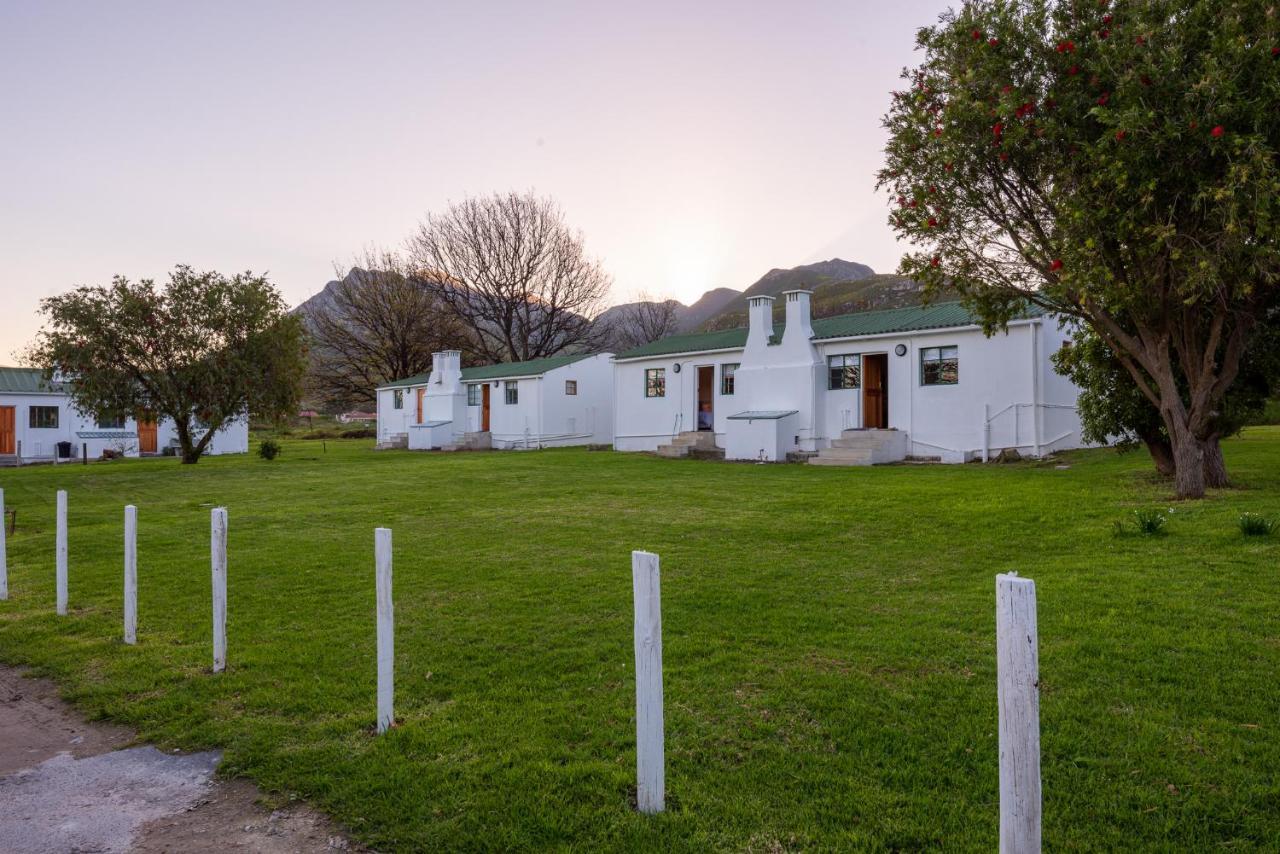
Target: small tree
{"points": [[201, 351], [513, 272], [1113, 165], [648, 319], [380, 322]]}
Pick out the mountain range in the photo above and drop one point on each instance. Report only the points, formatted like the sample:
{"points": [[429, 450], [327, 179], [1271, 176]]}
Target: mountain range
{"points": [[839, 287]]}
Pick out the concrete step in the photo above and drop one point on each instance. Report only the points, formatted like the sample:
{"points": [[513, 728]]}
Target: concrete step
{"points": [[851, 456], [834, 461]]}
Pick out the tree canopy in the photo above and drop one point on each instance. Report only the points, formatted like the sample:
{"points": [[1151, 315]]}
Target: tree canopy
{"points": [[202, 350], [1115, 163]]}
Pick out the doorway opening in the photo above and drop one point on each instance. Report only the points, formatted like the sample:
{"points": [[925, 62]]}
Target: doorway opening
{"points": [[8, 429], [484, 408], [706, 415], [875, 391]]}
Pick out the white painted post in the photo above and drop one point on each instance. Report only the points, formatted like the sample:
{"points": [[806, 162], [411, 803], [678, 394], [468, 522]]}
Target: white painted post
{"points": [[130, 574], [218, 548], [650, 772], [4, 556], [986, 431], [386, 629], [1018, 694], [62, 552]]}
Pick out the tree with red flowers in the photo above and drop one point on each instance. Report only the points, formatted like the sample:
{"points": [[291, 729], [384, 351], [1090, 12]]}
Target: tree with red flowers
{"points": [[1118, 166]]}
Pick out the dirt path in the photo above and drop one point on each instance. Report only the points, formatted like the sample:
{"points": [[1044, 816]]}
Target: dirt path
{"points": [[69, 785]]}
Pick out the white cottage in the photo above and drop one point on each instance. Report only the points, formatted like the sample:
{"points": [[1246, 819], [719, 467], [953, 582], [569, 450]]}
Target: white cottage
{"points": [[39, 423], [561, 400], [870, 387]]}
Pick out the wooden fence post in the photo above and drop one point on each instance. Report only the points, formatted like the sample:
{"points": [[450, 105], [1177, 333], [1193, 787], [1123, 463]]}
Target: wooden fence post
{"points": [[1018, 694], [218, 549], [61, 557], [650, 772], [4, 555], [130, 574], [386, 629]]}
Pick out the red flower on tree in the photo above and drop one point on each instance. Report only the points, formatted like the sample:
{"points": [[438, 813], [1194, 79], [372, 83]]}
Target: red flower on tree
{"points": [[1073, 70], [1218, 130], [1120, 135], [1056, 265], [993, 42], [932, 222], [934, 262], [1106, 19], [1103, 98], [1102, 34], [977, 35], [1065, 46]]}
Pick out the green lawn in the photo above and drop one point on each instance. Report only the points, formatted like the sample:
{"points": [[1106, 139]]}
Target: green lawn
{"points": [[828, 633]]}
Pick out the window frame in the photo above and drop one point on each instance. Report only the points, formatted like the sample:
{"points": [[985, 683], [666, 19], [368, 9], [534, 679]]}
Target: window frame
{"points": [[571, 388], [397, 398], [940, 360], [843, 367], [475, 394], [31, 417], [109, 423], [727, 384], [655, 382], [511, 392]]}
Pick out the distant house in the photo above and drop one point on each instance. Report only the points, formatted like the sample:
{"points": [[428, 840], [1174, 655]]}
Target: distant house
{"points": [[561, 400], [349, 417], [871, 387], [39, 423]]}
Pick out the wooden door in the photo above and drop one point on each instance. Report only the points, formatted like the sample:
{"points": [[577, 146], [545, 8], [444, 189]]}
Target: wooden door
{"points": [[420, 391], [8, 430], [484, 408], [704, 418], [875, 391], [146, 436]]}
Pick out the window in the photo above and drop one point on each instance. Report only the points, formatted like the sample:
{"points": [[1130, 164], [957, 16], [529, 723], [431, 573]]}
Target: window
{"points": [[397, 399], [44, 417], [474, 396], [655, 382], [110, 422], [844, 371], [726, 377], [571, 387], [513, 392], [940, 366]]}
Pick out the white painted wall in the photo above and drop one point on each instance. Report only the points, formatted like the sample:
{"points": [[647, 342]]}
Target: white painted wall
{"points": [[544, 415], [40, 444], [1008, 375], [391, 420], [643, 423]]}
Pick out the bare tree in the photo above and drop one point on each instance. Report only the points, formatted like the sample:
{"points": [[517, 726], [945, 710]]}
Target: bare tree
{"points": [[643, 321], [511, 269], [378, 323]]}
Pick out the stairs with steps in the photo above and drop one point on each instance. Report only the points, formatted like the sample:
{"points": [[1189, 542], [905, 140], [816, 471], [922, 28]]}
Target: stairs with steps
{"points": [[863, 448], [478, 441], [397, 441], [693, 443], [8, 461]]}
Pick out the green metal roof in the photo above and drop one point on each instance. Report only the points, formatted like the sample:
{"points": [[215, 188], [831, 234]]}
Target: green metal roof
{"points": [[531, 368], [27, 381], [943, 315]]}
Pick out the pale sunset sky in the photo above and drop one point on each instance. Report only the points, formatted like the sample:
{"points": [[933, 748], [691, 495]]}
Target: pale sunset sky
{"points": [[695, 145]]}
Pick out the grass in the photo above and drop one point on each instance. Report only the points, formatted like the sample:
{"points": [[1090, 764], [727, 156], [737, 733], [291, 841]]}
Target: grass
{"points": [[828, 642]]}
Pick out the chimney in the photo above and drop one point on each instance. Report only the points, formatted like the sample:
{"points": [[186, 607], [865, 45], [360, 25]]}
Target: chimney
{"points": [[446, 367], [799, 319], [759, 322]]}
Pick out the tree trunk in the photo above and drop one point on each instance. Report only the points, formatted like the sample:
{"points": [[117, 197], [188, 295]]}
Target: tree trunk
{"points": [[1161, 453], [1215, 468], [189, 453], [1188, 460]]}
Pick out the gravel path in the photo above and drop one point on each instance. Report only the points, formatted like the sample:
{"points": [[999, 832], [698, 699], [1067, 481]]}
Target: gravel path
{"points": [[68, 785]]}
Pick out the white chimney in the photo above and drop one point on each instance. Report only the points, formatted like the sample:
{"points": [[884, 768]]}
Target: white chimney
{"points": [[759, 322], [446, 367], [799, 319]]}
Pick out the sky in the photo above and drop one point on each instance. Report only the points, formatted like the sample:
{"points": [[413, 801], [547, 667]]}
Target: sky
{"points": [[695, 145]]}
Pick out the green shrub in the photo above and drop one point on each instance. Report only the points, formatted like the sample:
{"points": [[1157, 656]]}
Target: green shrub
{"points": [[360, 433], [1256, 525], [269, 449]]}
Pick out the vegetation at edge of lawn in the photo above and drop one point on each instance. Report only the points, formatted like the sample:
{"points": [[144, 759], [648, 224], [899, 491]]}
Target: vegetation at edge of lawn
{"points": [[828, 640]]}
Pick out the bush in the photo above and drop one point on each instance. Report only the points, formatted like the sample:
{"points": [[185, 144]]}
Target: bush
{"points": [[363, 433], [1256, 525], [1146, 521], [269, 449]]}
